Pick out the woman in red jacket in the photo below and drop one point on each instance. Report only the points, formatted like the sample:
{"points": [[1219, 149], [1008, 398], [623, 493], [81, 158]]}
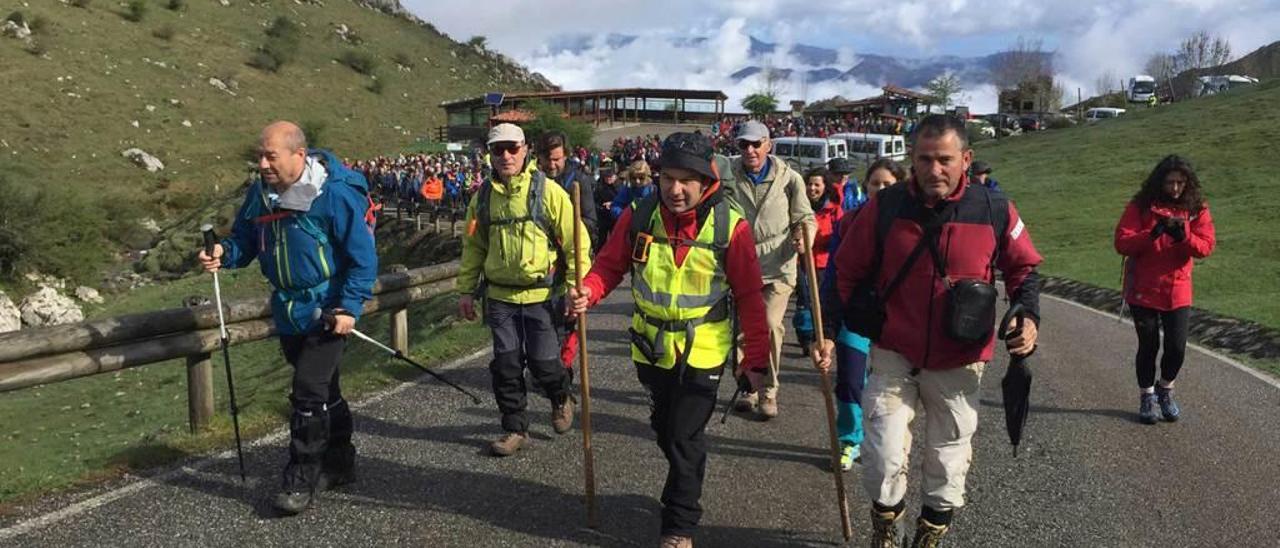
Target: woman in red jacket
{"points": [[820, 187], [1164, 227]]}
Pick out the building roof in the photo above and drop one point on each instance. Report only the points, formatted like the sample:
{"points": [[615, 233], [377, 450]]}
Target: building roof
{"points": [[710, 95]]}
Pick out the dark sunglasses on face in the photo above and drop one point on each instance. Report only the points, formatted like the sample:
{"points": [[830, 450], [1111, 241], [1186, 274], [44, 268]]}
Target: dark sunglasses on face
{"points": [[745, 145], [499, 149]]}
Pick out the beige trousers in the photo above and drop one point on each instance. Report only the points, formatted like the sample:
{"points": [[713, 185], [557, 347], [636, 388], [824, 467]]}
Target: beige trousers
{"points": [[776, 298], [949, 399]]}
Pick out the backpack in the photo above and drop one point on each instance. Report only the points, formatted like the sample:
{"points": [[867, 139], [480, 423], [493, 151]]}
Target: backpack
{"points": [[338, 173], [536, 212]]}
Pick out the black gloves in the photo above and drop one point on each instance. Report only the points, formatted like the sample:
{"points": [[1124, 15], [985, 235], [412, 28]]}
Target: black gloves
{"points": [[1157, 230], [1178, 230]]}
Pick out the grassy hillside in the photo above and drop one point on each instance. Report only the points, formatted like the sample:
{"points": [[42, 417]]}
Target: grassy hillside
{"points": [[1071, 185], [93, 83]]}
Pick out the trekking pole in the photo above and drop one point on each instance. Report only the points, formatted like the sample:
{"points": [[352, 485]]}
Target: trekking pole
{"points": [[209, 242], [329, 319], [742, 384], [584, 388], [815, 306]]}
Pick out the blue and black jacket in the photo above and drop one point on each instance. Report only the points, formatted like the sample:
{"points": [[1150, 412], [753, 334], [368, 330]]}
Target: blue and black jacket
{"points": [[322, 258]]}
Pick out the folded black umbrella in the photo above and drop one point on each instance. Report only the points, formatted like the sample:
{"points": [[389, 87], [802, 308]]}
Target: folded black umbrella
{"points": [[1016, 384]]}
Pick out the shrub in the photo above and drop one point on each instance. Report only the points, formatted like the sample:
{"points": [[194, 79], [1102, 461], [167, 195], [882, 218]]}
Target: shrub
{"points": [[81, 3], [376, 85], [136, 10], [477, 42], [360, 62], [283, 28], [17, 17], [264, 61], [165, 33], [37, 24], [36, 48], [403, 59], [283, 37], [176, 5]]}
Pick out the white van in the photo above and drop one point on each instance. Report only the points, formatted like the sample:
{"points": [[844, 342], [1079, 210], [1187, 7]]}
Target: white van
{"points": [[1101, 113], [869, 147], [806, 153]]}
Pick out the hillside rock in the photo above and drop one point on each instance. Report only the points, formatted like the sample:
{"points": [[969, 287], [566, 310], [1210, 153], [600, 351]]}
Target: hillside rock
{"points": [[140, 157], [10, 316], [14, 30], [88, 295], [48, 307]]}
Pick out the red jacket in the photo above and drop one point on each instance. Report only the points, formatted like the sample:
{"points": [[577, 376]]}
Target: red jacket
{"points": [[916, 311], [827, 217], [742, 270], [1158, 271]]}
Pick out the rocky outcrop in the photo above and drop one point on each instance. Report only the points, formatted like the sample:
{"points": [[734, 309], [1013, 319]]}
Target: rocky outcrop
{"points": [[144, 160], [48, 307], [10, 316]]}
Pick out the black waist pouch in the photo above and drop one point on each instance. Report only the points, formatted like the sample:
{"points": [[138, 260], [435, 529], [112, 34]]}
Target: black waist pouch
{"points": [[971, 310]]}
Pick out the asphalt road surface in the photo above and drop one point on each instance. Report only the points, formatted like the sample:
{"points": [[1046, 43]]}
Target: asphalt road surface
{"points": [[1088, 473]]}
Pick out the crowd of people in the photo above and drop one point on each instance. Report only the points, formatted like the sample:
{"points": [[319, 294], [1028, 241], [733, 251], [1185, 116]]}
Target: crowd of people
{"points": [[412, 182], [696, 231]]}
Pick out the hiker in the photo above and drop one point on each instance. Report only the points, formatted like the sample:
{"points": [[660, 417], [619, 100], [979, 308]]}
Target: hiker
{"points": [[980, 173], [308, 214], [851, 196], [1164, 228], [638, 184], [851, 349], [693, 265], [772, 196], [824, 199], [513, 257], [606, 191], [930, 315]]}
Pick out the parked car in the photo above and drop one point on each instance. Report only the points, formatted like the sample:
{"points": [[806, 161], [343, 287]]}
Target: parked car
{"points": [[869, 147], [1030, 123], [1093, 115], [979, 129], [1005, 124], [809, 152]]}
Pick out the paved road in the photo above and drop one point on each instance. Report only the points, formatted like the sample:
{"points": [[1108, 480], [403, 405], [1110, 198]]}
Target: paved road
{"points": [[1089, 475]]}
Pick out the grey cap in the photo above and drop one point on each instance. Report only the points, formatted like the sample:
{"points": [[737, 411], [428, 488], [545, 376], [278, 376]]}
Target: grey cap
{"points": [[752, 131], [506, 132]]}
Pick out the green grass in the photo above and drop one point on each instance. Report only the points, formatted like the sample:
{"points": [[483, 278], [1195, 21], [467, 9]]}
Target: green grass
{"points": [[1071, 186], [98, 73], [98, 427]]}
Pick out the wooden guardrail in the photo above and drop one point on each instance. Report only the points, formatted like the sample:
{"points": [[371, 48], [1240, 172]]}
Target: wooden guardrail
{"points": [[33, 357]]}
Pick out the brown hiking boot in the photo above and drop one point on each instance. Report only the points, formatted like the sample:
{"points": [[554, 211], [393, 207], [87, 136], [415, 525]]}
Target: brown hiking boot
{"points": [[562, 416], [768, 407], [884, 529], [928, 535], [509, 443], [675, 541], [746, 402]]}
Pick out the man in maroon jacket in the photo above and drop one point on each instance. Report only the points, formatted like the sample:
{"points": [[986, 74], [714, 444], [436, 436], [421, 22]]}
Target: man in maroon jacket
{"points": [[942, 230]]}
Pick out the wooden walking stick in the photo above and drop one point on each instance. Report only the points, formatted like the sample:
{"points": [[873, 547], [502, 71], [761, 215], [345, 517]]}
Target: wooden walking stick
{"points": [[584, 387], [815, 308]]}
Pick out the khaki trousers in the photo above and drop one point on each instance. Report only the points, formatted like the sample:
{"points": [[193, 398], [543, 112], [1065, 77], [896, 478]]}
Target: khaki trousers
{"points": [[776, 298], [949, 399]]}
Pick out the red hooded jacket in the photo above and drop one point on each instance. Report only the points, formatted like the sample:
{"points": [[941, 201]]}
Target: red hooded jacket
{"points": [[1158, 271]]}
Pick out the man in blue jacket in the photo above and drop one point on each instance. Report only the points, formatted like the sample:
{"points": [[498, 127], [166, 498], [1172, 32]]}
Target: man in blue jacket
{"points": [[305, 222]]}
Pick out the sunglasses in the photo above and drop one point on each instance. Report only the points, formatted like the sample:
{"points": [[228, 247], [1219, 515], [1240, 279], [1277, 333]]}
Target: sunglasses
{"points": [[747, 145], [499, 149]]}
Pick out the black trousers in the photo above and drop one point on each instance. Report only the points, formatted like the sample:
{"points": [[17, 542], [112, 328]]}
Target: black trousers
{"points": [[320, 426], [1148, 323], [679, 411], [524, 336]]}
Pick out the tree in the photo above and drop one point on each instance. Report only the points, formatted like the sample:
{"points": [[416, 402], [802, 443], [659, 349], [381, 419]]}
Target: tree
{"points": [[478, 42], [1202, 50], [760, 104], [548, 117], [1025, 61], [944, 90]]}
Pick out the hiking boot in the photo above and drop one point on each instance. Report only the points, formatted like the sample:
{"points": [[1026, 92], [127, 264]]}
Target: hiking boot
{"points": [[1168, 407], [928, 535], [292, 503], [509, 443], [1147, 409], [562, 416], [884, 528], [768, 408], [849, 453], [675, 541], [746, 402], [330, 480]]}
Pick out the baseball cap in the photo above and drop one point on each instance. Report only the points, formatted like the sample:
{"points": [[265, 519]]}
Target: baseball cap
{"points": [[506, 132], [980, 167], [752, 131], [840, 166]]}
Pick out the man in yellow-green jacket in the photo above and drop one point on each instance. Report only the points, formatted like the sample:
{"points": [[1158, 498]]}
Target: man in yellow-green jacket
{"points": [[517, 256]]}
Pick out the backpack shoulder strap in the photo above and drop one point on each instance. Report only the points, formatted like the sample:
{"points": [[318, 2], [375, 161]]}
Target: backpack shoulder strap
{"points": [[887, 208], [998, 214], [482, 207], [536, 206], [641, 215]]}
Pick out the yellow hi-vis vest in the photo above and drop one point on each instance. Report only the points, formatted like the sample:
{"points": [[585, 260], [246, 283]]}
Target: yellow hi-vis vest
{"points": [[674, 303]]}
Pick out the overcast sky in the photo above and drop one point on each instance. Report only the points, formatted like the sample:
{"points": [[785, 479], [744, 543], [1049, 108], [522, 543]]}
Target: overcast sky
{"points": [[1090, 36]]}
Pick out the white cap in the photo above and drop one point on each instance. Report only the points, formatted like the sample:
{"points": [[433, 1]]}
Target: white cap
{"points": [[506, 132]]}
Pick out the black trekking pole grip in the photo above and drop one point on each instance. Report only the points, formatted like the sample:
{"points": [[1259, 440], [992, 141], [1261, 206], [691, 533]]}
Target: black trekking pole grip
{"points": [[209, 239]]}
